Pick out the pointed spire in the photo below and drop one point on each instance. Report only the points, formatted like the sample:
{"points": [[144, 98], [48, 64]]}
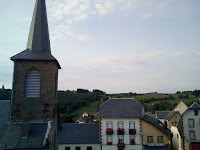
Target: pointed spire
{"points": [[38, 46], [38, 39]]}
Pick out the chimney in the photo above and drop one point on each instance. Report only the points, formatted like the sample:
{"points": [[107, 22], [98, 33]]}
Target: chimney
{"points": [[25, 127], [165, 124], [102, 101], [141, 102]]}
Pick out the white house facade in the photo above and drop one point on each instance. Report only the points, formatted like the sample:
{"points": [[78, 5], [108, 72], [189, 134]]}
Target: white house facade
{"points": [[120, 124], [191, 127]]}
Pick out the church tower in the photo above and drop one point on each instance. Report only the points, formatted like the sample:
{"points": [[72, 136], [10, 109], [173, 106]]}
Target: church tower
{"points": [[35, 78]]}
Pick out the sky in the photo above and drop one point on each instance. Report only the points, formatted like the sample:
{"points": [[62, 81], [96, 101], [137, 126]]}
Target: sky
{"points": [[113, 45]]}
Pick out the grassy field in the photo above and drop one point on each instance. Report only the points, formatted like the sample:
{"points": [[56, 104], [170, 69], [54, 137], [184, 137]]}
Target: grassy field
{"points": [[186, 101], [93, 107], [90, 109]]}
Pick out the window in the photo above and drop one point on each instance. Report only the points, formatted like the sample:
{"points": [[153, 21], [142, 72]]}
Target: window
{"points": [[192, 135], [160, 138], [132, 139], [120, 124], [131, 125], [67, 148], [196, 112], [109, 139], [109, 124], [33, 84], [191, 123], [149, 139], [89, 148], [78, 148], [120, 139]]}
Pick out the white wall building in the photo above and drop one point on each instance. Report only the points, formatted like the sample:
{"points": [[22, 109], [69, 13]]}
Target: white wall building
{"points": [[191, 127], [120, 124]]}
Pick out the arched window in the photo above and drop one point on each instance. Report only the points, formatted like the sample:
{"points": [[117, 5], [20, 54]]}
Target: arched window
{"points": [[33, 84]]}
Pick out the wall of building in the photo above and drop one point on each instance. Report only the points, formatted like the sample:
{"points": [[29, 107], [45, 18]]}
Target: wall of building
{"points": [[189, 114], [173, 120], [181, 107], [138, 143], [40, 108], [177, 141], [151, 130], [83, 146]]}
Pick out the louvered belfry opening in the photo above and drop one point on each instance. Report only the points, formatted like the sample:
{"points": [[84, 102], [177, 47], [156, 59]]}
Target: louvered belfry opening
{"points": [[33, 83]]}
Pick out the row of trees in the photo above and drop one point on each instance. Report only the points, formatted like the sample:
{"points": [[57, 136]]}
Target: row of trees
{"points": [[71, 100], [5, 94]]}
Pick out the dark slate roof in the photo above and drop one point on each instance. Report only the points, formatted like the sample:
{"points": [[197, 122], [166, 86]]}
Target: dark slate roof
{"points": [[180, 127], [12, 138], [156, 123], [4, 116], [4, 111], [119, 107], [195, 105], [162, 114], [72, 133], [38, 46]]}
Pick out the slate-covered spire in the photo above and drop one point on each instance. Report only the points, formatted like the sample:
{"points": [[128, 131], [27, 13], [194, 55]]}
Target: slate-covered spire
{"points": [[38, 39], [38, 46]]}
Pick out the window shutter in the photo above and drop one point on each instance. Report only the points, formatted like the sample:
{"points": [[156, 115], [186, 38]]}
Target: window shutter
{"points": [[33, 84]]}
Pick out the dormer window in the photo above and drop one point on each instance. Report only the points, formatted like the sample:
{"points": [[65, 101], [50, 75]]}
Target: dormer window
{"points": [[33, 79]]}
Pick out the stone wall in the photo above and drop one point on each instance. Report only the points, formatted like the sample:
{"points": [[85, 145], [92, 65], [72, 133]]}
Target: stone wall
{"points": [[40, 108]]}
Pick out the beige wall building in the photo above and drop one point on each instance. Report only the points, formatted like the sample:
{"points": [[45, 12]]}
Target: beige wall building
{"points": [[155, 133]]}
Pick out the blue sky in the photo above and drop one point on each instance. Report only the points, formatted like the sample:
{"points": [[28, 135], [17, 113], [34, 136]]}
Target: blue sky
{"points": [[112, 45]]}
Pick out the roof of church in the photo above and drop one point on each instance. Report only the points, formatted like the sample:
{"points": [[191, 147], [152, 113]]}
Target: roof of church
{"points": [[157, 123], [72, 133], [161, 114], [121, 107], [38, 46], [11, 133], [12, 137]]}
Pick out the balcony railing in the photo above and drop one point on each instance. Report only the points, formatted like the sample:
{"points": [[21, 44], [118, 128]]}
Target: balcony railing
{"points": [[109, 131], [109, 143], [120, 131], [132, 142], [132, 131], [121, 145]]}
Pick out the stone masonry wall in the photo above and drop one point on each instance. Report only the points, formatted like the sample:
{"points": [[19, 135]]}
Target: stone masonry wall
{"points": [[40, 108]]}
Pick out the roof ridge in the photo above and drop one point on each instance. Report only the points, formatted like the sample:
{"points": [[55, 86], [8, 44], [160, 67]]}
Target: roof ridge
{"points": [[195, 103]]}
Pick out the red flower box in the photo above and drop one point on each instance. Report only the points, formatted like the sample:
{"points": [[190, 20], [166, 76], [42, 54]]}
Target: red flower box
{"points": [[132, 143], [120, 131], [109, 131], [109, 143], [121, 145], [132, 131]]}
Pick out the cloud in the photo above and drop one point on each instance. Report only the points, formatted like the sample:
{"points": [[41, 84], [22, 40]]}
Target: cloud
{"points": [[69, 12]]}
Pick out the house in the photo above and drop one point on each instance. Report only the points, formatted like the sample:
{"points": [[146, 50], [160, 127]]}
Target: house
{"points": [[79, 137], [155, 134], [85, 114], [120, 124], [177, 139], [33, 113], [160, 115], [173, 117], [80, 120], [191, 127]]}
